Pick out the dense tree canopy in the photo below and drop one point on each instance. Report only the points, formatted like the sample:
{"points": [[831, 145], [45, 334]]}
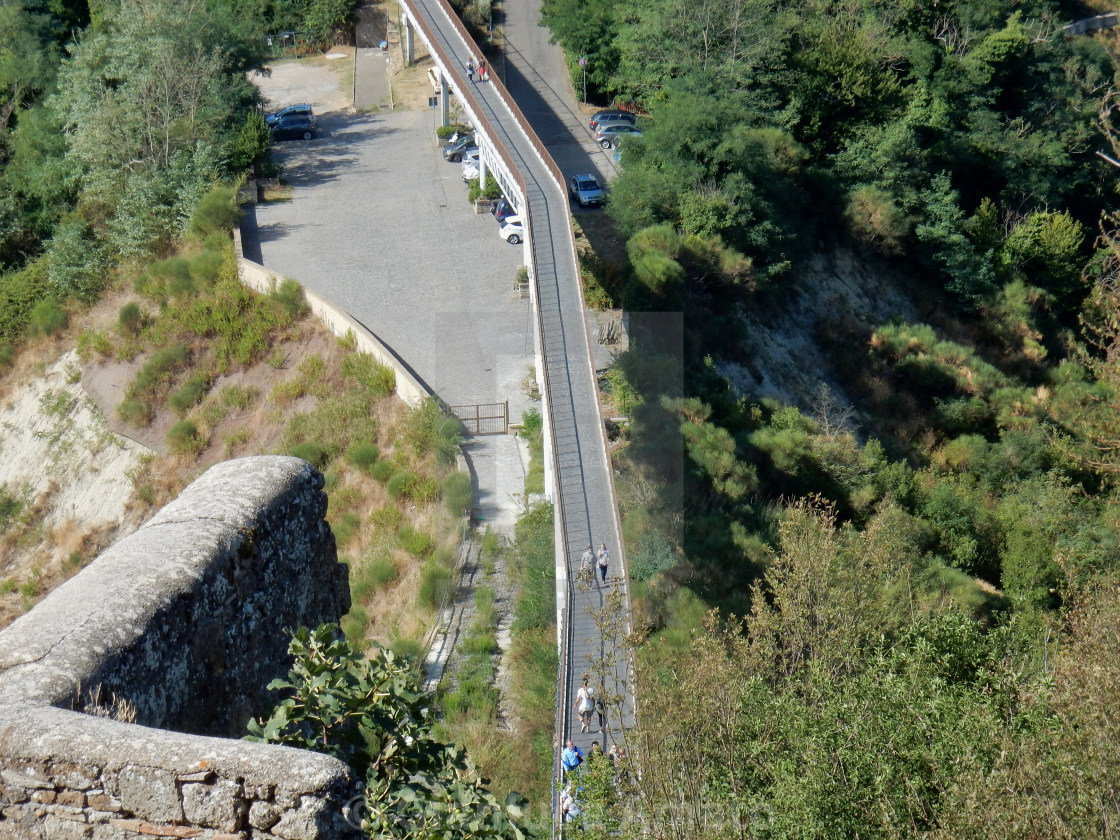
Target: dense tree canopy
{"points": [[925, 559]]}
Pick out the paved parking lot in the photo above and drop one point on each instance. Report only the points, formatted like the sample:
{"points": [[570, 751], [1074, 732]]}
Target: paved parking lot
{"points": [[379, 223]]}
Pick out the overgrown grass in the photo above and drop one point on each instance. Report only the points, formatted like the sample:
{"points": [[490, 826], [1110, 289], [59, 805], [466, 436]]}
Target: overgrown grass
{"points": [[533, 432], [520, 760]]}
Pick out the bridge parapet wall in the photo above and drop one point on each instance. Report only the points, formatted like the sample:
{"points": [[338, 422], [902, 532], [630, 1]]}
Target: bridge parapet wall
{"points": [[186, 621]]}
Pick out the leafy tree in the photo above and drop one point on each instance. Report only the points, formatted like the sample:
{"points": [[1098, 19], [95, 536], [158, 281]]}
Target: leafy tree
{"points": [[372, 714]]}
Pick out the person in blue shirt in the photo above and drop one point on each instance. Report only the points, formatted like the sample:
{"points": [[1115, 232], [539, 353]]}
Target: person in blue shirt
{"points": [[571, 757]]}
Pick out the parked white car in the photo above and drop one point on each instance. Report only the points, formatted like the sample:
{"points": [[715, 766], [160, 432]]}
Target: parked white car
{"points": [[512, 230], [470, 165]]}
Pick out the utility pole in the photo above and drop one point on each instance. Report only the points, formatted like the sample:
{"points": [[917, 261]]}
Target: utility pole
{"points": [[583, 67]]}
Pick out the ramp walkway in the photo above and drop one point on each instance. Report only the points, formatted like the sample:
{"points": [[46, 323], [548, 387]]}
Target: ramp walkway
{"points": [[578, 475]]}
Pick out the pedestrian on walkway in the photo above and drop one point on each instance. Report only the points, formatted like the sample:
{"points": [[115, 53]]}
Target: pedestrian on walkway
{"points": [[604, 561], [481, 70], [569, 805], [571, 757], [470, 70], [585, 704], [601, 708]]}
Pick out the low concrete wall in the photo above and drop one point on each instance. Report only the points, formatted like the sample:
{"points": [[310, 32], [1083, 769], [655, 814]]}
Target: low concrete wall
{"points": [[187, 620], [256, 276]]}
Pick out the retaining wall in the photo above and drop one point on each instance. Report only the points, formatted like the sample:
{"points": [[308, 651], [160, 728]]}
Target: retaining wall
{"points": [[256, 276], [187, 620]]}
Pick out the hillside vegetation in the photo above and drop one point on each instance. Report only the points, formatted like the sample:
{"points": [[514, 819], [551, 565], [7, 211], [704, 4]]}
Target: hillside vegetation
{"points": [[922, 549]]}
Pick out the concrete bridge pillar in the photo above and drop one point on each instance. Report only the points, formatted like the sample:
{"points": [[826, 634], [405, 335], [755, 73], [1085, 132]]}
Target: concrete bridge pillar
{"points": [[409, 42], [481, 169], [444, 100]]}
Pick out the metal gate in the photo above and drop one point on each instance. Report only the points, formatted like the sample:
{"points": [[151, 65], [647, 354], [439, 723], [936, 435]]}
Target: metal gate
{"points": [[484, 419]]}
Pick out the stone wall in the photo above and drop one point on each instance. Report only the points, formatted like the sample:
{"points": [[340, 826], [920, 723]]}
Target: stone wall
{"points": [[187, 620]]}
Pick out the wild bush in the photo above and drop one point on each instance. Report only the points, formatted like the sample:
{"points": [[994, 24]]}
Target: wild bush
{"points": [[388, 517], [136, 412], [377, 379], [156, 373], [457, 492], [436, 585], [47, 318], [184, 438], [363, 455], [216, 211], [310, 452], [190, 393], [417, 543], [401, 485], [290, 298]]}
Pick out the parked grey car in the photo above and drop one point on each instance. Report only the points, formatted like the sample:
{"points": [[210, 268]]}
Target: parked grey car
{"points": [[610, 116]]}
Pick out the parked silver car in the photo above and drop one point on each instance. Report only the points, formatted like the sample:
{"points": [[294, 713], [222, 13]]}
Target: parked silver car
{"points": [[608, 135], [585, 189]]}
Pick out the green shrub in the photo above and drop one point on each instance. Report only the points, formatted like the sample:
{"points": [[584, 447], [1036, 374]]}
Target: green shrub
{"points": [[234, 440], [130, 319], [425, 490], [354, 623], [135, 412], [480, 644], [383, 571], [7, 354], [47, 318], [400, 485], [183, 438], [206, 267], [432, 431], [181, 286], [346, 528], [289, 295], [435, 585], [156, 372], [378, 380], [19, 292], [382, 470], [387, 517], [457, 492], [445, 131], [252, 144], [91, 342], [190, 394], [216, 211], [287, 392], [310, 452], [363, 455], [238, 397], [414, 542], [653, 555]]}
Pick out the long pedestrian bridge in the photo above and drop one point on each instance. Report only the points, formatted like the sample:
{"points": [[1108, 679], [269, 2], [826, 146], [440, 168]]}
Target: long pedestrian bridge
{"points": [[578, 477]]}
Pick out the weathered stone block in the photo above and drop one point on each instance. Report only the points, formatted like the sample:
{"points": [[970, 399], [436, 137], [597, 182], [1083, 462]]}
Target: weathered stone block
{"points": [[217, 805], [75, 776], [263, 815], [150, 793], [102, 801], [72, 798]]}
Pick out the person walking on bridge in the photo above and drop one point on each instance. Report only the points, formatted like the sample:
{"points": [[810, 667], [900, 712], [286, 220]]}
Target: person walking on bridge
{"points": [[571, 757], [604, 561], [470, 70], [585, 705]]}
